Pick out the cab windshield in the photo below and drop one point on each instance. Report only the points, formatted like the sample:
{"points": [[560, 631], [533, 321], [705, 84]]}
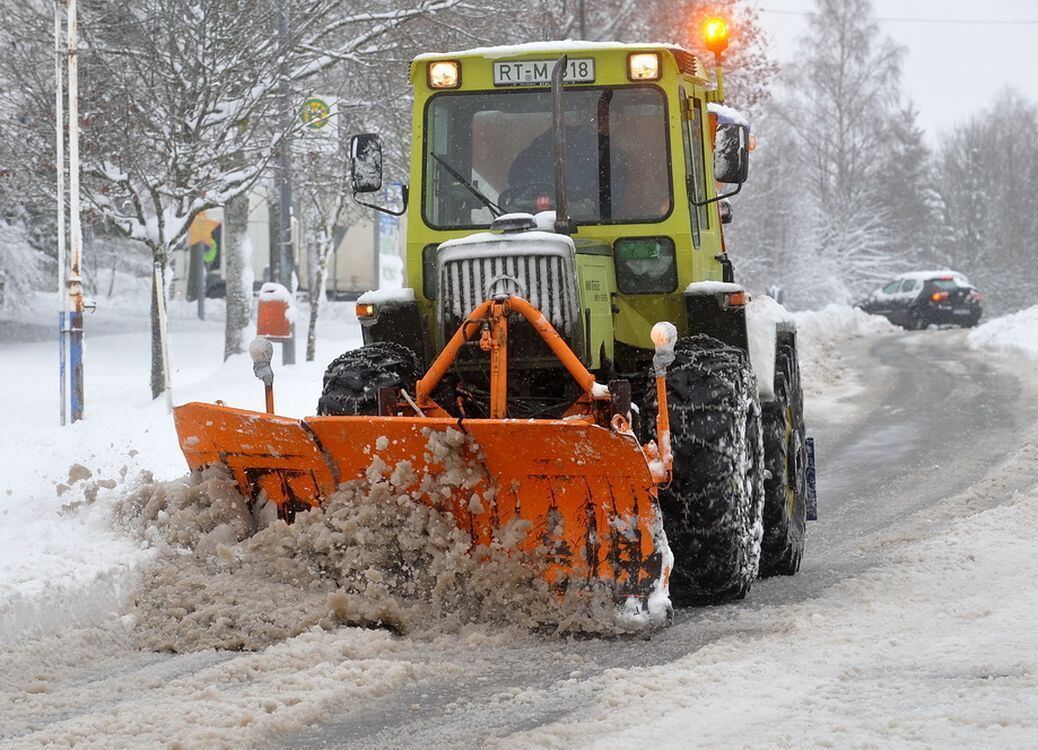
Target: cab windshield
{"points": [[502, 144]]}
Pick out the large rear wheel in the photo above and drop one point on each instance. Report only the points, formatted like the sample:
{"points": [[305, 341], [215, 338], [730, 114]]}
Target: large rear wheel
{"points": [[785, 456], [712, 508], [353, 380]]}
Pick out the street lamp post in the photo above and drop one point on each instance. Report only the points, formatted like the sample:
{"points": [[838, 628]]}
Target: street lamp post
{"points": [[59, 162], [286, 263]]}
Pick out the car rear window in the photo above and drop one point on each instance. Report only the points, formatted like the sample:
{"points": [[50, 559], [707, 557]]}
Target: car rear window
{"points": [[947, 284]]}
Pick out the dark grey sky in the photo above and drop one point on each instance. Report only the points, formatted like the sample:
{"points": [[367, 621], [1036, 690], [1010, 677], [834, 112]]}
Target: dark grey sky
{"points": [[950, 69]]}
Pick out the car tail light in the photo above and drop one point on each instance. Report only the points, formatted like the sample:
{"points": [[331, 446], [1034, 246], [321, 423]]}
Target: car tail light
{"points": [[939, 296]]}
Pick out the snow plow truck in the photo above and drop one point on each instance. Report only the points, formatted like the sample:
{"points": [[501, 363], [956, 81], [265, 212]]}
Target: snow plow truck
{"points": [[574, 317]]}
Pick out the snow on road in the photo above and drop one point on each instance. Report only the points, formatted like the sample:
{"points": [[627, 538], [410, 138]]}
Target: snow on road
{"points": [[932, 647], [935, 648]]}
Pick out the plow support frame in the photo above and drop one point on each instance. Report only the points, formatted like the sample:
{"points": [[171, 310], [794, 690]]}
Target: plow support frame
{"points": [[491, 317]]}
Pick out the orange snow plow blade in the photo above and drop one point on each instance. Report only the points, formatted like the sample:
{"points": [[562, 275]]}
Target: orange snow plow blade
{"points": [[586, 492], [582, 487]]}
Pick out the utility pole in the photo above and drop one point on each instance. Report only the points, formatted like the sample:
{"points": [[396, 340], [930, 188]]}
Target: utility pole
{"points": [[59, 162], [582, 9], [286, 264], [75, 281]]}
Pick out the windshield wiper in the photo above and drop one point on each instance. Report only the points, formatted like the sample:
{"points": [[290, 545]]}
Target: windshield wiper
{"points": [[494, 208]]}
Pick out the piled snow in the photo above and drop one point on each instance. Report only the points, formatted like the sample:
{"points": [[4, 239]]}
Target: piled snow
{"points": [[539, 48], [1013, 334], [373, 555], [713, 287]]}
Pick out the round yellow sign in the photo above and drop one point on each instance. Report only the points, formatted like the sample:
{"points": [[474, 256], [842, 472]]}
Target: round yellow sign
{"points": [[316, 113]]}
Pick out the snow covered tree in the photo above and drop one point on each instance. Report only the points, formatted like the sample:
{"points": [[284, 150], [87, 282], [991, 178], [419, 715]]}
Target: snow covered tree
{"points": [[768, 229], [906, 184], [987, 176], [179, 119], [842, 95], [20, 271]]}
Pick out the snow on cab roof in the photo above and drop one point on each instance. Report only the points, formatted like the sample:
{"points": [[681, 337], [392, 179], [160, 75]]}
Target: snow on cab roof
{"points": [[554, 48]]}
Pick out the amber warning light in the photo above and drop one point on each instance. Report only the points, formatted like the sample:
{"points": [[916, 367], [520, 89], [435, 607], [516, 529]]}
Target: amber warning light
{"points": [[715, 34]]}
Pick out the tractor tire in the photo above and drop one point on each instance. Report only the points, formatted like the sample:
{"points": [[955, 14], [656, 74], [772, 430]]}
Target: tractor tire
{"points": [[712, 507], [785, 457], [353, 380]]}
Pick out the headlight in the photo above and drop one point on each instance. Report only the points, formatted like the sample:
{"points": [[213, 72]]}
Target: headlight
{"points": [[643, 66], [444, 74]]}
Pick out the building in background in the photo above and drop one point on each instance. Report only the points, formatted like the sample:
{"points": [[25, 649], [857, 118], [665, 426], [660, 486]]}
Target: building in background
{"points": [[354, 268]]}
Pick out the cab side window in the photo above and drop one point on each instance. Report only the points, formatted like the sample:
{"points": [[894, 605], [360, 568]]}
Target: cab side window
{"points": [[892, 287]]}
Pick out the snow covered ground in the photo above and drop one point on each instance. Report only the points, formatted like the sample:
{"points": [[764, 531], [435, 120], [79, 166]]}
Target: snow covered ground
{"points": [[934, 646], [58, 567], [1013, 334]]}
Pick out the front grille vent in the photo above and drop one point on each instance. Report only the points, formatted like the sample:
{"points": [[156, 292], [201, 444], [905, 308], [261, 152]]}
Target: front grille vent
{"points": [[548, 282]]}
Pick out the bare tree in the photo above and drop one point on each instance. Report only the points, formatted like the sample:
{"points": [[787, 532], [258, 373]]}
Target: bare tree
{"points": [[237, 276]]}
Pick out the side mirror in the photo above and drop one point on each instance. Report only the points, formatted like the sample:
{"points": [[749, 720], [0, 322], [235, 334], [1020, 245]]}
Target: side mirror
{"points": [[732, 153], [366, 163]]}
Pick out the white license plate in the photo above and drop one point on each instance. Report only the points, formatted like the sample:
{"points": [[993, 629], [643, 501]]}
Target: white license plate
{"points": [[538, 72], [960, 311]]}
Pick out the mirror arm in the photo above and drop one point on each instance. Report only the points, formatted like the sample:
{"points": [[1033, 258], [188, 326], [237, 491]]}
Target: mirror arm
{"points": [[708, 201], [404, 193]]}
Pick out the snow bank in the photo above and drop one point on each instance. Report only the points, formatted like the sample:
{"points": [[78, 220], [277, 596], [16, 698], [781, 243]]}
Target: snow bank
{"points": [[820, 336], [1012, 334]]}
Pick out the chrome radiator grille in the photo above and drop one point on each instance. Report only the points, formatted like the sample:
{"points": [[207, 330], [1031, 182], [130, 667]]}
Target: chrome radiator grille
{"points": [[548, 282]]}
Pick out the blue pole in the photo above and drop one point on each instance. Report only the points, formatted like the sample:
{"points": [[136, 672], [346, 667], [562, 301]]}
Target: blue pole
{"points": [[63, 378], [76, 363]]}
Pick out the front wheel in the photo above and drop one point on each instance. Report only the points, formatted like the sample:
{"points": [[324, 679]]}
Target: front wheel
{"points": [[712, 507], [353, 380]]}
